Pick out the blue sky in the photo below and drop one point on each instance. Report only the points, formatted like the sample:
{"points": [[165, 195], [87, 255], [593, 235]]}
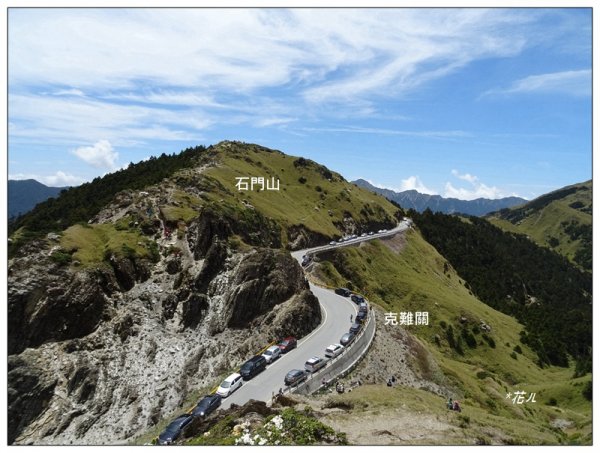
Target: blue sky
{"points": [[457, 102]]}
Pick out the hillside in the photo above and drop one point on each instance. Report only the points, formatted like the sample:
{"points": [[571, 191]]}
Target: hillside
{"points": [[129, 295], [411, 199], [454, 353], [560, 220], [23, 195], [312, 206], [549, 295]]}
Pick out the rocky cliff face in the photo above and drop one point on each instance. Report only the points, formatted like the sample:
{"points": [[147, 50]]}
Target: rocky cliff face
{"points": [[99, 354]]}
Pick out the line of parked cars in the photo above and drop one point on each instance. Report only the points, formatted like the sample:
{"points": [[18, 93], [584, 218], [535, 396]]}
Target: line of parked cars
{"points": [[258, 363], [354, 236], [230, 384], [314, 364]]}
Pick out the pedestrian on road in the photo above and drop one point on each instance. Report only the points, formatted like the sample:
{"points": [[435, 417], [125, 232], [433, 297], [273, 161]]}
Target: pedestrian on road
{"points": [[350, 318]]}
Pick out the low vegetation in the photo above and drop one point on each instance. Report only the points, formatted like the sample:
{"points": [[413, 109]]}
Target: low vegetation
{"points": [[310, 195], [471, 341], [91, 245], [550, 296], [81, 203], [560, 220]]}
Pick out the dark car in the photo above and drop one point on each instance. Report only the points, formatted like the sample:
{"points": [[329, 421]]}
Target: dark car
{"points": [[357, 299], [347, 338], [343, 292], [287, 344], [355, 328], [295, 377], [363, 308], [361, 316], [173, 431], [207, 405], [253, 366]]}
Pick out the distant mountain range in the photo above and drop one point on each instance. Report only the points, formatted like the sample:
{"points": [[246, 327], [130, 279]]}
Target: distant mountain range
{"points": [[411, 199], [24, 194]]}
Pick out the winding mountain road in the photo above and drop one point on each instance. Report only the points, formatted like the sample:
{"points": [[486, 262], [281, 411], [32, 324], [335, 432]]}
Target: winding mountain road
{"points": [[336, 311]]}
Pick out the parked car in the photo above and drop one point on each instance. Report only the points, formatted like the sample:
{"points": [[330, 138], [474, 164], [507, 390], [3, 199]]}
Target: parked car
{"points": [[294, 377], [174, 430], [306, 259], [333, 350], [253, 366], [272, 354], [371, 233], [287, 344], [332, 243], [354, 236], [343, 292], [363, 235], [357, 299], [355, 328], [347, 338], [230, 385], [314, 364], [207, 405], [360, 317], [340, 240], [363, 307]]}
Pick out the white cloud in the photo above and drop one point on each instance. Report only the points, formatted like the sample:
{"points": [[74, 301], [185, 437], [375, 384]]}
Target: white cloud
{"points": [[415, 183], [410, 183], [451, 134], [477, 189], [576, 83], [325, 54], [69, 92], [273, 121], [100, 155], [58, 179], [74, 120], [466, 177]]}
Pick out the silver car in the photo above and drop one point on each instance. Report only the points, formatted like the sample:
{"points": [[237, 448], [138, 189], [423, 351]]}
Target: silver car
{"points": [[272, 354], [333, 350]]}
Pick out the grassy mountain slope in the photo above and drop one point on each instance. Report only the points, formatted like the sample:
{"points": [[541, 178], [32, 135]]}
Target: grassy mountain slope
{"points": [[312, 201], [410, 275], [312, 206], [514, 275], [560, 220]]}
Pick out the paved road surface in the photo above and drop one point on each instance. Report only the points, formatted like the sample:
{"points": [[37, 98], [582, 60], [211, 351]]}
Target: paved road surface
{"points": [[336, 311]]}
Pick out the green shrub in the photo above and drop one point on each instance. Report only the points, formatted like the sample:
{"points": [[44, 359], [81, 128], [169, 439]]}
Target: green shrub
{"points": [[469, 338], [587, 391], [489, 340], [154, 252], [518, 349], [127, 251], [61, 257], [482, 374]]}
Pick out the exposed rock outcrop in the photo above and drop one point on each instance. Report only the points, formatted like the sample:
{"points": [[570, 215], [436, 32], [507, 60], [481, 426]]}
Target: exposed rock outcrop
{"points": [[112, 350], [49, 304]]}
